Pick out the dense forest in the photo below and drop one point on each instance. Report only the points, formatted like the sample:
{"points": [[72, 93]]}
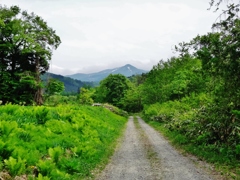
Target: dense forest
{"points": [[193, 97]]}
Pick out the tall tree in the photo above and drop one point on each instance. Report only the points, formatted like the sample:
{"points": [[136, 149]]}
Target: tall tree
{"points": [[112, 89], [26, 44], [220, 52]]}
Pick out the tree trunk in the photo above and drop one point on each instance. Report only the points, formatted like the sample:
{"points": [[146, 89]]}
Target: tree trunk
{"points": [[38, 95]]}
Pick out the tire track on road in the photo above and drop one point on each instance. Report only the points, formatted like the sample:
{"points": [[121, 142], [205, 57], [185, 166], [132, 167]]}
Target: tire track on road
{"points": [[174, 165], [145, 155], [129, 161]]}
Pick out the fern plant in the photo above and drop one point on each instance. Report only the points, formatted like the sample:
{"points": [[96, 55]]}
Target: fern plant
{"points": [[15, 166], [41, 177], [45, 167], [64, 142], [41, 115], [7, 127], [55, 153]]}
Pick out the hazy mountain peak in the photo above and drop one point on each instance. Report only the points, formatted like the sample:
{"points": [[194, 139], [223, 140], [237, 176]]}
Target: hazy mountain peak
{"points": [[126, 70]]}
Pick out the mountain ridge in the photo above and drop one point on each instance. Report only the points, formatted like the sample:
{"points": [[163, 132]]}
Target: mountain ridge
{"points": [[126, 70], [71, 85]]}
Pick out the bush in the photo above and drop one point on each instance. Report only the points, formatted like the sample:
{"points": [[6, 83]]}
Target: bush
{"points": [[15, 166]]}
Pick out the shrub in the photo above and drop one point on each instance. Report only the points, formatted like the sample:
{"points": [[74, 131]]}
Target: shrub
{"points": [[55, 153], [46, 166], [15, 166], [41, 114], [41, 177]]}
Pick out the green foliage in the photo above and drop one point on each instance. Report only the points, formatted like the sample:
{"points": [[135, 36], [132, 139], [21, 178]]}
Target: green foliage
{"points": [[85, 96], [195, 98], [63, 142], [46, 166], [221, 126], [116, 110], [223, 157], [41, 114], [7, 127], [132, 100], [216, 123], [58, 174], [26, 44], [173, 80], [55, 153], [41, 177], [54, 86], [15, 166], [112, 89], [55, 100]]}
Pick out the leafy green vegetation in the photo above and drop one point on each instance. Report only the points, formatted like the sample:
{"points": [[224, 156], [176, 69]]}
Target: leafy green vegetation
{"points": [[54, 86], [85, 96], [194, 112], [193, 98], [63, 142], [112, 89], [222, 159], [26, 44]]}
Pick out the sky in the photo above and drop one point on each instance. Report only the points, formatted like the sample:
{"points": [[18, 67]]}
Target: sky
{"points": [[103, 34]]}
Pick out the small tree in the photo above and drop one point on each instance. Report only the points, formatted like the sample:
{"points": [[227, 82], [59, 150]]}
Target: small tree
{"points": [[112, 89], [54, 86], [132, 101], [85, 96]]}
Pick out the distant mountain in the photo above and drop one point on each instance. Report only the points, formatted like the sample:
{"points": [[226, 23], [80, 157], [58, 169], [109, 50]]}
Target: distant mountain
{"points": [[71, 85], [127, 70]]}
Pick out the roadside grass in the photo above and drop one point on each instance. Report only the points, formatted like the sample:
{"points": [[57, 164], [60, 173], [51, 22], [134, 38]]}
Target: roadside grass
{"points": [[226, 165], [63, 142], [110, 150]]}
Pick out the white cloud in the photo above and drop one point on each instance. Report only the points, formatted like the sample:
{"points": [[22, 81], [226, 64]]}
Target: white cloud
{"points": [[103, 33]]}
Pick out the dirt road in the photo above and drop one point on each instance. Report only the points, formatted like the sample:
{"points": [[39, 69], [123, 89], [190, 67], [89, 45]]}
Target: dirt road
{"points": [[145, 154]]}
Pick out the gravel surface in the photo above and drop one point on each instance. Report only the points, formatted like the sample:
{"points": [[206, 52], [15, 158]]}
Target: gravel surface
{"points": [[145, 154]]}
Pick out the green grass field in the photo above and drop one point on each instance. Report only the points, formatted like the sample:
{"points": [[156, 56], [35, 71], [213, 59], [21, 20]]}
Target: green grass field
{"points": [[63, 142]]}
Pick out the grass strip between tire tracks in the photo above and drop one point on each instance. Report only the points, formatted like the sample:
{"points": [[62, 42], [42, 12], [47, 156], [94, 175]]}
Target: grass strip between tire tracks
{"points": [[149, 149]]}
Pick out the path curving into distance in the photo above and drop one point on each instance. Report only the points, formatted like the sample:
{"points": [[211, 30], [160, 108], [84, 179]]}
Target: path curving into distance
{"points": [[145, 154]]}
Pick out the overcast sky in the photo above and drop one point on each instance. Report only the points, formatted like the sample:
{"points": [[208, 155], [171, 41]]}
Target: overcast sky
{"points": [[100, 34]]}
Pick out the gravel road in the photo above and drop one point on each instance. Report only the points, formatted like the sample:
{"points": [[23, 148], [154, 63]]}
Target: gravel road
{"points": [[145, 154]]}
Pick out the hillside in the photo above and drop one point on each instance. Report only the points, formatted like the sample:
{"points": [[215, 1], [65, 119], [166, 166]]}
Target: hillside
{"points": [[55, 142], [127, 70], [71, 85]]}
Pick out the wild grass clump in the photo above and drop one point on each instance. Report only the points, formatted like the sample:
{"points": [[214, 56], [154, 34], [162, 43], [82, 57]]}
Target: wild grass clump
{"points": [[63, 142]]}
